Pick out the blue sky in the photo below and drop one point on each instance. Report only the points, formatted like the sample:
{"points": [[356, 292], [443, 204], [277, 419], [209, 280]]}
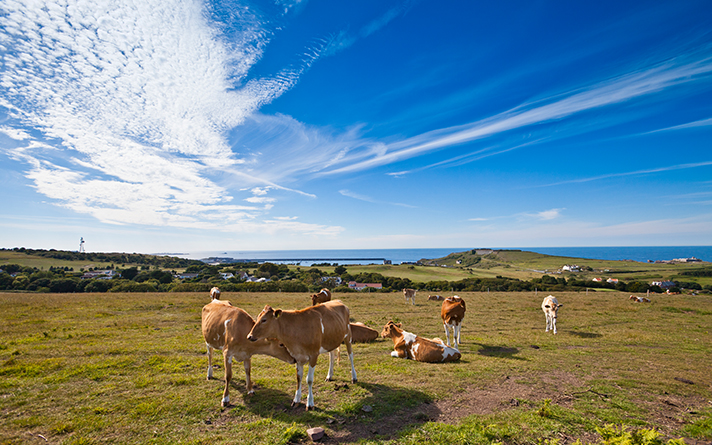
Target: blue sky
{"points": [[176, 126]]}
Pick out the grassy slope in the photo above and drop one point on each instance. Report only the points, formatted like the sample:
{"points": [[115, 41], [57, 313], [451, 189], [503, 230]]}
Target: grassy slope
{"points": [[130, 368]]}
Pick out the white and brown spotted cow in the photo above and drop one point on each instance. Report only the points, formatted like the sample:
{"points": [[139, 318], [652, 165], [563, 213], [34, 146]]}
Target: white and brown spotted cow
{"points": [[306, 333], [452, 313], [410, 346], [226, 327], [215, 293], [550, 306], [409, 294], [639, 299], [435, 298], [323, 296]]}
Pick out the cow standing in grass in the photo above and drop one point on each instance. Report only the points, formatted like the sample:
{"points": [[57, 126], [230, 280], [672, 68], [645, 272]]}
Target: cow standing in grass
{"points": [[409, 294], [226, 327], [550, 306], [306, 333], [323, 296], [215, 293], [410, 346], [453, 312]]}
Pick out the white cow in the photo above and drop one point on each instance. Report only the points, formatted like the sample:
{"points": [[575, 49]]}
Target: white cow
{"points": [[550, 306]]}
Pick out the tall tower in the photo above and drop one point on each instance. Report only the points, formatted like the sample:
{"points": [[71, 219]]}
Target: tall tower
{"points": [[81, 245]]}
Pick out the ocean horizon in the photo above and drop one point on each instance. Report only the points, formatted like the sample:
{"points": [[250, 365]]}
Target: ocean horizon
{"points": [[397, 256]]}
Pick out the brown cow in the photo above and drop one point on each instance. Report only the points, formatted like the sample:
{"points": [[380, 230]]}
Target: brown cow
{"points": [[409, 294], [360, 333], [323, 296], [410, 346], [435, 298], [226, 327], [452, 313], [306, 333], [215, 293]]}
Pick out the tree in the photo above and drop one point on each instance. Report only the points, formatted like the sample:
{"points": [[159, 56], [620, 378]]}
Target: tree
{"points": [[340, 270]]}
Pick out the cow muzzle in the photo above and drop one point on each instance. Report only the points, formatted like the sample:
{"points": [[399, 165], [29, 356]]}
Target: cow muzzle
{"points": [[251, 338]]}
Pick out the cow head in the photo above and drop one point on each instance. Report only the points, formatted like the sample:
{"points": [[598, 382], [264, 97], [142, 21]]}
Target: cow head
{"points": [[215, 293], [278, 350], [554, 309], [391, 330], [265, 325]]}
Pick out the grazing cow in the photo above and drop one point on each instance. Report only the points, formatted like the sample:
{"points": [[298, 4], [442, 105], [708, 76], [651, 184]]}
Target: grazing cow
{"points": [[452, 313], [550, 306], [409, 294], [410, 346], [435, 298], [323, 296], [360, 333], [639, 299], [215, 293], [226, 327], [306, 333]]}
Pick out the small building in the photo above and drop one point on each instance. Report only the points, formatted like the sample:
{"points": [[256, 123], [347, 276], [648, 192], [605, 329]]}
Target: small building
{"points": [[570, 268], [612, 280], [99, 275], [186, 275], [663, 284], [597, 280], [361, 286]]}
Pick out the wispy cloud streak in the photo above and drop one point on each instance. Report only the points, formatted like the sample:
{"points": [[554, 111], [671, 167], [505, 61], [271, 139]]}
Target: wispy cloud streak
{"points": [[692, 68]]}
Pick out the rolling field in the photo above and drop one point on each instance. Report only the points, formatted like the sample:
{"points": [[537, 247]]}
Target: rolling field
{"points": [[130, 368]]}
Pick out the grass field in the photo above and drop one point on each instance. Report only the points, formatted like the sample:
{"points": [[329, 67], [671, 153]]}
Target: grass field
{"points": [[130, 368]]}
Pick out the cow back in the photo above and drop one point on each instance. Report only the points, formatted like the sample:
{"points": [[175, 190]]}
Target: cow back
{"points": [[214, 318], [360, 333], [453, 310]]}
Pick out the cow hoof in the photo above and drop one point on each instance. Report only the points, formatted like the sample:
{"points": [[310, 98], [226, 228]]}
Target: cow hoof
{"points": [[329, 380], [354, 380], [251, 392]]}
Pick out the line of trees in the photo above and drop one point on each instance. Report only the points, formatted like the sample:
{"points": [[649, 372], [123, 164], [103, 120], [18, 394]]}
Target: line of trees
{"points": [[279, 278]]}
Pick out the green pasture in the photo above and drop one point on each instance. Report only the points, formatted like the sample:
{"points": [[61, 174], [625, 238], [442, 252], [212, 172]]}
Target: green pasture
{"points": [[130, 369]]}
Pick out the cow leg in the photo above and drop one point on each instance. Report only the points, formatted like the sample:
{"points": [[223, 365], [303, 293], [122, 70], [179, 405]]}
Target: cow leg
{"points": [[210, 361], [228, 376], [310, 384], [330, 374], [553, 324], [298, 393], [457, 332], [349, 349], [447, 334], [547, 322], [248, 378]]}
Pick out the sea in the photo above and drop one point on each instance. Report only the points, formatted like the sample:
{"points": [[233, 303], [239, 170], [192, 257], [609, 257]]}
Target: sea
{"points": [[400, 256]]}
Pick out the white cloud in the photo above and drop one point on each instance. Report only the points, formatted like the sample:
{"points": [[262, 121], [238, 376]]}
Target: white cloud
{"points": [[141, 96]]}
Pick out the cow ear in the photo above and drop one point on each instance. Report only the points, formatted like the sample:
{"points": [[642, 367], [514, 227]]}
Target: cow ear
{"points": [[560, 305], [400, 325], [277, 313]]}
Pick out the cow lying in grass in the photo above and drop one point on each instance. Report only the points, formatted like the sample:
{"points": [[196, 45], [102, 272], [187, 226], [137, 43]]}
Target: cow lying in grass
{"points": [[323, 296], [639, 299], [360, 333], [410, 346], [435, 298], [226, 327], [306, 333], [550, 306]]}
